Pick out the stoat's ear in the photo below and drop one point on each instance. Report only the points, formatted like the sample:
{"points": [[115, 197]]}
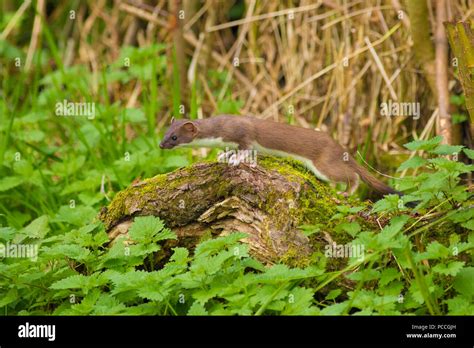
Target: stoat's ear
{"points": [[172, 120], [190, 127]]}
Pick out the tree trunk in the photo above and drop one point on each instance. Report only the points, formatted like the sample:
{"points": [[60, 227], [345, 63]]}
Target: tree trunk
{"points": [[268, 201]]}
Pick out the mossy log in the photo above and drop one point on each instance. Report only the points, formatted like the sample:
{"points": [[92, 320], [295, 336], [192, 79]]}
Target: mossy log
{"points": [[268, 201]]}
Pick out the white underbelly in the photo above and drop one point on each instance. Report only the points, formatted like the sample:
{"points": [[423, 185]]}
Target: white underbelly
{"points": [[211, 142], [305, 161]]}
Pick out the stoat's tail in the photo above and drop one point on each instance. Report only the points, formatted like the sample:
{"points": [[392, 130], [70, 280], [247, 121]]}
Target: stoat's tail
{"points": [[376, 184], [372, 181]]}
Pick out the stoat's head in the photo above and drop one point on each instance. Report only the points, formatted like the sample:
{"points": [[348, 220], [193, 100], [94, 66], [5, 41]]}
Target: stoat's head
{"points": [[180, 132]]}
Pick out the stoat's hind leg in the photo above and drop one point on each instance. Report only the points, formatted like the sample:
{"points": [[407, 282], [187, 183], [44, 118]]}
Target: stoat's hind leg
{"points": [[352, 184]]}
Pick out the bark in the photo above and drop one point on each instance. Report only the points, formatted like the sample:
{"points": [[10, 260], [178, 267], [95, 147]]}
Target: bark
{"points": [[268, 202], [176, 27], [441, 44], [422, 44], [461, 40]]}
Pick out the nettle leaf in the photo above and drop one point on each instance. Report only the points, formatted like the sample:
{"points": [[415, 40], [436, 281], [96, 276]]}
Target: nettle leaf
{"points": [[212, 246], [81, 281], [108, 305], [388, 203], [414, 162], [197, 309], [300, 302], [469, 225], [7, 233], [388, 275], [72, 251], [212, 264], [366, 274], [335, 309], [333, 294], [469, 153], [424, 144], [462, 215], [434, 250], [460, 305], [38, 228], [127, 281], [149, 229], [8, 297], [389, 232], [353, 228], [180, 256], [153, 291], [451, 268], [77, 216], [416, 293], [445, 149], [281, 273], [464, 282], [10, 182], [452, 166], [309, 230]]}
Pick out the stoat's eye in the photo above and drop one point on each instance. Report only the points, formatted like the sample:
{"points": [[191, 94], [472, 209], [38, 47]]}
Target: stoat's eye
{"points": [[174, 138]]}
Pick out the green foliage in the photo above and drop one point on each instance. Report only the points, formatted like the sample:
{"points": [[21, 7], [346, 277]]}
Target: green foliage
{"points": [[57, 172], [218, 278]]}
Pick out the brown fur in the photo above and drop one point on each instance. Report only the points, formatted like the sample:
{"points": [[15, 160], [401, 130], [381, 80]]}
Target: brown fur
{"points": [[327, 155]]}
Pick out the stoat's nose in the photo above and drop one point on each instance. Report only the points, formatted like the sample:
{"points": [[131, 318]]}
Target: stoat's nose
{"points": [[162, 146]]}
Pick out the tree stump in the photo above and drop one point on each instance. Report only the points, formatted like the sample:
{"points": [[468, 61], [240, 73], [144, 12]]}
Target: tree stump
{"points": [[268, 202]]}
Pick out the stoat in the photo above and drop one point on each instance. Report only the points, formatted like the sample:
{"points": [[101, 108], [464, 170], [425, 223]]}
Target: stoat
{"points": [[328, 160]]}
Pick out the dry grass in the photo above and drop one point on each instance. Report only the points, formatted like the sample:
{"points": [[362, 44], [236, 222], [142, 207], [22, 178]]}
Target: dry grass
{"points": [[326, 63]]}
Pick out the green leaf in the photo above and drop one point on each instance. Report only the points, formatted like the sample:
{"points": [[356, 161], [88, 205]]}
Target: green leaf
{"points": [[7, 233], [180, 256], [451, 268], [353, 228], [414, 162], [387, 235], [145, 229], [457, 118], [444, 149], [333, 294], [10, 182], [134, 115], [335, 309], [300, 302], [457, 99], [38, 228], [81, 281], [464, 282], [388, 275], [460, 305], [212, 246], [469, 225], [9, 297], [197, 309], [469, 153], [77, 216], [309, 230], [366, 274], [434, 250], [424, 144]]}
